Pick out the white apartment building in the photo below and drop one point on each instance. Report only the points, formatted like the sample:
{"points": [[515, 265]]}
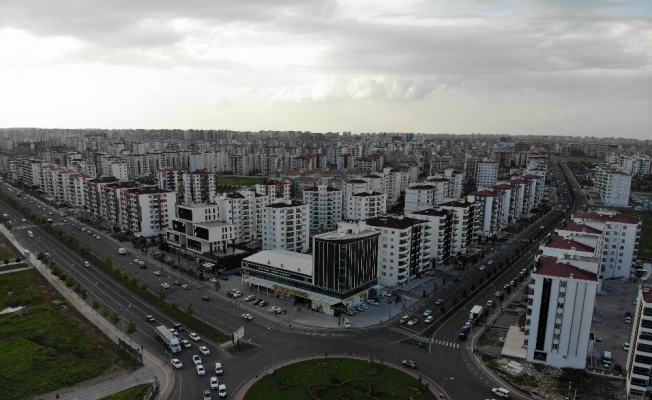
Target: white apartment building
{"points": [[489, 207], [612, 184], [198, 187], [639, 358], [561, 297], [465, 225], [199, 228], [622, 234], [325, 207], [119, 171], [276, 189], [419, 197], [148, 211], [365, 205], [440, 223], [486, 174], [286, 226], [350, 188], [404, 249]]}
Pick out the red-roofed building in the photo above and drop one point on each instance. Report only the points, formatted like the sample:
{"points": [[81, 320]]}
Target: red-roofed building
{"points": [[559, 246], [561, 298]]}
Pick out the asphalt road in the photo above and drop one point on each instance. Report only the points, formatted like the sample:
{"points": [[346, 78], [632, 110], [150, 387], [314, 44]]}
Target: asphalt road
{"points": [[448, 366]]}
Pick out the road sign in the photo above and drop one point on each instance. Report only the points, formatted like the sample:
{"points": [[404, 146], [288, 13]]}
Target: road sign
{"points": [[239, 334]]}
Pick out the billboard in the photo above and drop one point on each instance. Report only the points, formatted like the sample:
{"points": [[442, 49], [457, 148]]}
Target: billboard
{"points": [[239, 334]]}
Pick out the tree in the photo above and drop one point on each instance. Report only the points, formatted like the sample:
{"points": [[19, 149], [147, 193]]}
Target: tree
{"points": [[131, 327], [218, 286], [143, 286], [190, 309], [83, 293], [115, 317], [95, 304], [173, 305]]}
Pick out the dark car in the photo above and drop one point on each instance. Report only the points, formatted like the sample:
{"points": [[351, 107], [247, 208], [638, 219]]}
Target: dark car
{"points": [[149, 318], [177, 283], [628, 314], [178, 327], [461, 336], [224, 277], [618, 368], [206, 298]]}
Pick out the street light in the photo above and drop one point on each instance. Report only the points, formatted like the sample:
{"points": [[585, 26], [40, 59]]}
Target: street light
{"points": [[124, 318], [93, 288]]}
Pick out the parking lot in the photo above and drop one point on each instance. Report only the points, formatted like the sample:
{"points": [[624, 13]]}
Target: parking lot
{"points": [[616, 298]]}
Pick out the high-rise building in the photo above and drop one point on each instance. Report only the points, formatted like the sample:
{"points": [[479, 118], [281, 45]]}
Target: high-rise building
{"points": [[612, 184], [286, 226], [639, 358], [486, 174], [325, 207]]}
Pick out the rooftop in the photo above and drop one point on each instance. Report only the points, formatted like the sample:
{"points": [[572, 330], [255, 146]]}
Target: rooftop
{"points": [[285, 204], [551, 267], [367, 194], [595, 216], [432, 212], [315, 188], [559, 242], [577, 227], [283, 259], [392, 222], [485, 193]]}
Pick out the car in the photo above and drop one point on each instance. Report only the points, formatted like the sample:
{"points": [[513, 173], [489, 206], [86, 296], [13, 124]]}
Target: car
{"points": [[251, 297], [618, 368], [412, 322], [204, 350], [224, 277], [195, 337], [490, 303], [541, 227], [372, 302], [177, 283], [498, 294], [137, 261], [482, 267], [164, 285], [461, 336], [439, 302], [597, 338], [186, 344], [149, 318], [174, 332], [466, 328], [208, 395], [429, 319], [490, 262], [213, 279], [221, 391], [274, 309], [200, 370], [176, 363], [87, 264], [263, 303], [206, 298], [196, 359], [406, 297], [98, 237], [626, 346], [501, 392], [628, 320], [409, 363], [628, 314], [157, 273], [24, 220], [506, 286], [248, 317], [404, 319], [347, 323], [214, 383], [512, 283], [218, 369], [427, 313], [186, 287]]}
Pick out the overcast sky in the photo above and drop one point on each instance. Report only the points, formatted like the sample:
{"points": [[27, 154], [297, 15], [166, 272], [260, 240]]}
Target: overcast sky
{"points": [[526, 67]]}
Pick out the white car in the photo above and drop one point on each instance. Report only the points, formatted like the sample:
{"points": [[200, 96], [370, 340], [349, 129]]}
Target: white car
{"points": [[176, 363], [251, 297], [428, 320], [248, 317], [200, 370], [136, 260], [24, 220], [490, 262], [490, 303], [427, 313], [222, 391], [204, 350], [195, 337], [482, 267], [196, 359], [186, 287], [87, 264], [214, 383], [186, 344], [501, 392], [157, 273], [213, 279], [372, 302], [412, 322], [347, 323], [165, 285], [626, 346]]}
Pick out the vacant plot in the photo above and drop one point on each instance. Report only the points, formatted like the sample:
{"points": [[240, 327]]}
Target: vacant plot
{"points": [[332, 379], [238, 180], [134, 393], [7, 250], [48, 345]]}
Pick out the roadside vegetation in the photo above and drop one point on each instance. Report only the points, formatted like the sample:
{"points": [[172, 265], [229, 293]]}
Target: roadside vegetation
{"points": [[48, 344], [339, 378], [133, 393]]}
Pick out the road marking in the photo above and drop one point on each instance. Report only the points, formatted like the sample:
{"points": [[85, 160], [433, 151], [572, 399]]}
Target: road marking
{"points": [[402, 331]]}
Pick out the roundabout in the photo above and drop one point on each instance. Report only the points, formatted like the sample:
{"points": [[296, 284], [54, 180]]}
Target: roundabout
{"points": [[338, 378]]}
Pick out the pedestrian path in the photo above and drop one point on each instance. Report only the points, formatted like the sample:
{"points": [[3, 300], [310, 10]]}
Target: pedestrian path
{"points": [[139, 377], [402, 331], [447, 344], [417, 282]]}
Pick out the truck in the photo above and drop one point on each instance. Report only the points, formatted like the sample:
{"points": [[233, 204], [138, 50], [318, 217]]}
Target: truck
{"points": [[475, 313], [168, 338]]}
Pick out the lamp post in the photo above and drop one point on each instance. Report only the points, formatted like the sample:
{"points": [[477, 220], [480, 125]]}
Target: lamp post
{"points": [[124, 317], [93, 288]]}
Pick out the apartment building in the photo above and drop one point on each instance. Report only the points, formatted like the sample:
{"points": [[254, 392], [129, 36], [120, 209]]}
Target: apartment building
{"points": [[198, 228], [118, 170], [440, 224], [561, 297], [148, 212], [350, 188], [612, 184], [419, 197], [465, 225], [365, 205], [286, 226], [639, 358], [486, 174], [275, 189], [404, 250], [198, 187], [325, 205], [489, 209]]}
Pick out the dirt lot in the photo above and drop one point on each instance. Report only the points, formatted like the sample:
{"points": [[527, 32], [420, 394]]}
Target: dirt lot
{"points": [[7, 250]]}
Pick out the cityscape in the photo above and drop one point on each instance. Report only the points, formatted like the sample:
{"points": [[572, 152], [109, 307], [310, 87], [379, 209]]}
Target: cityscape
{"points": [[337, 200]]}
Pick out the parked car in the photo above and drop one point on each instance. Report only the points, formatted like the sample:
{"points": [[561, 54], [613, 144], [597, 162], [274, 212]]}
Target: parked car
{"points": [[429, 319], [626, 346], [427, 313], [406, 297], [251, 297], [157, 273], [186, 287], [149, 318], [490, 303], [404, 319], [409, 363], [213, 279], [628, 320], [165, 285], [372, 302], [347, 323], [214, 383], [412, 322], [466, 328]]}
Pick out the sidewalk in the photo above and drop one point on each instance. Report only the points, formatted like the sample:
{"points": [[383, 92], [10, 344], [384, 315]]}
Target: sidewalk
{"points": [[152, 366]]}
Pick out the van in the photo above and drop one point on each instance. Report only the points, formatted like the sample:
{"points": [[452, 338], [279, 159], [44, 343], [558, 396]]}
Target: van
{"points": [[218, 369], [30, 234]]}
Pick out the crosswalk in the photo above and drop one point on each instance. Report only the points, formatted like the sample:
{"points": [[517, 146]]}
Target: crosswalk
{"points": [[447, 344], [402, 331]]}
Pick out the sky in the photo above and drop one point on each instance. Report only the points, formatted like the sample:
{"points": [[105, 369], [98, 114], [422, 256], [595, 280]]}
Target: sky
{"points": [[528, 67]]}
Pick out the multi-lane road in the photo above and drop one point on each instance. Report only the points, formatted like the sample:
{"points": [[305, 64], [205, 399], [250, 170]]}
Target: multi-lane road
{"points": [[445, 364]]}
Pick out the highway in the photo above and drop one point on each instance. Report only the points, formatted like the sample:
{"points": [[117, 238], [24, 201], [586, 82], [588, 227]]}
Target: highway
{"points": [[448, 366]]}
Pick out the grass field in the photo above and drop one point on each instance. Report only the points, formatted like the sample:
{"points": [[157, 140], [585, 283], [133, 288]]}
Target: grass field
{"points": [[51, 345], [134, 393], [337, 378], [238, 180], [4, 267]]}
